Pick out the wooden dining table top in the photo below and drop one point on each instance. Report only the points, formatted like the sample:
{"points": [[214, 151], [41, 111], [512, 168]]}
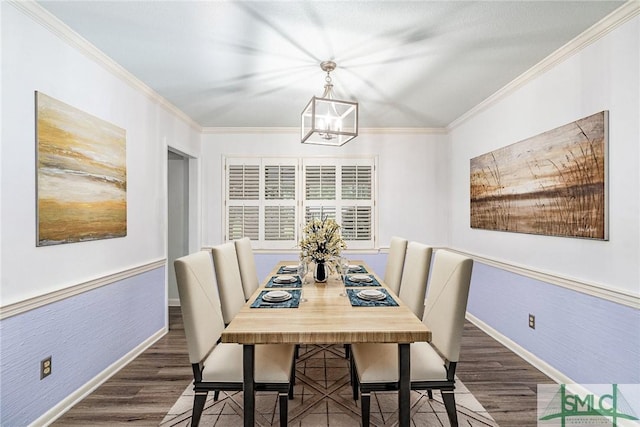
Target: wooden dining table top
{"points": [[325, 317]]}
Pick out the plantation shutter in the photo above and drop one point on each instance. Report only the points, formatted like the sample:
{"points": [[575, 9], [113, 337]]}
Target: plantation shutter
{"points": [[243, 200], [280, 189], [270, 200], [342, 189], [261, 201], [357, 202]]}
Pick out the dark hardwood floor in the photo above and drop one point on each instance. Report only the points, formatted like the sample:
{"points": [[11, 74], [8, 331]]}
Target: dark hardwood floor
{"points": [[143, 392]]}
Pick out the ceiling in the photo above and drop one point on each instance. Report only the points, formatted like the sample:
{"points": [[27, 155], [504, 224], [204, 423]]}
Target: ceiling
{"points": [[416, 64]]}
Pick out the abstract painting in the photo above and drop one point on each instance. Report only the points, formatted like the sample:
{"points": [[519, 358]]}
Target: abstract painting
{"points": [[553, 184], [81, 175]]}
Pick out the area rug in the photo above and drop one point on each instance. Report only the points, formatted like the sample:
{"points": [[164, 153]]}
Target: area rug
{"points": [[323, 397]]}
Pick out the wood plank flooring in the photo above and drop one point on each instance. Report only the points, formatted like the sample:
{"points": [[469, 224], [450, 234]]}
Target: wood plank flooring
{"points": [[143, 392]]}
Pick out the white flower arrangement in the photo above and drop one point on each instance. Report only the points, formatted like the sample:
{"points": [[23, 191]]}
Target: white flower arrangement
{"points": [[321, 240]]}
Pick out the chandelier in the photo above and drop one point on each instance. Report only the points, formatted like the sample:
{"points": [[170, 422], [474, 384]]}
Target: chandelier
{"points": [[328, 121]]}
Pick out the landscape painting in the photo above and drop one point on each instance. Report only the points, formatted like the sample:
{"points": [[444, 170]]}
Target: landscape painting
{"points": [[81, 175], [553, 184]]}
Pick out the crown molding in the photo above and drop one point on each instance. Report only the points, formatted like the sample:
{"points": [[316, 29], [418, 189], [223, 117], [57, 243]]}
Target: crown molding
{"points": [[405, 131], [47, 20], [294, 130], [208, 130], [624, 13]]}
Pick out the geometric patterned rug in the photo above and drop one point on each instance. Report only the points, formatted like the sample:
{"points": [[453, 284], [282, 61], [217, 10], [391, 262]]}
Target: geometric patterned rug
{"points": [[323, 397]]}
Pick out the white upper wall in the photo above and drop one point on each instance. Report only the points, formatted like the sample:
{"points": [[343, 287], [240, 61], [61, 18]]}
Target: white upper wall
{"points": [[423, 180], [411, 176], [603, 76], [52, 60]]}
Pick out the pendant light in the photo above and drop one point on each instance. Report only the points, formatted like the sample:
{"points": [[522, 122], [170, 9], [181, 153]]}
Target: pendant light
{"points": [[326, 120]]}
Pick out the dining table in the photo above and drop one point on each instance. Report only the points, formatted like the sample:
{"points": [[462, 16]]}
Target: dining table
{"points": [[325, 313]]}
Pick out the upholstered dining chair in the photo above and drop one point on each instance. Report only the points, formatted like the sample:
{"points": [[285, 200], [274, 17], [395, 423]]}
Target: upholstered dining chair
{"points": [[415, 272], [247, 264], [395, 263], [218, 366], [374, 367], [227, 272]]}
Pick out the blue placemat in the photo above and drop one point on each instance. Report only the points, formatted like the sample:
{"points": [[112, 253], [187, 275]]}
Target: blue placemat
{"points": [[283, 270], [293, 302], [348, 282], [360, 270], [273, 284], [357, 302]]}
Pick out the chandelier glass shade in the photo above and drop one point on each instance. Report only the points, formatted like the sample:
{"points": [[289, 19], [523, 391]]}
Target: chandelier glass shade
{"points": [[328, 121]]}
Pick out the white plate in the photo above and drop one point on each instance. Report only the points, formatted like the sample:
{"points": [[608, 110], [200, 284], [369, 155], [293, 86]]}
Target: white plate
{"points": [[290, 267], [276, 296], [354, 267], [371, 294], [285, 279], [360, 278]]}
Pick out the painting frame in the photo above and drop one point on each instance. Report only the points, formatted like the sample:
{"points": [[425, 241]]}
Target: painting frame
{"points": [[81, 175], [552, 184]]}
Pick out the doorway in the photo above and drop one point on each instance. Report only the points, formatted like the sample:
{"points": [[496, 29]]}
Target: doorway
{"points": [[177, 217]]}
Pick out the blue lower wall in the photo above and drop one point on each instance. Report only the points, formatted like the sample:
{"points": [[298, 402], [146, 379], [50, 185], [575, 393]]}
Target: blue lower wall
{"points": [[588, 339], [84, 334]]}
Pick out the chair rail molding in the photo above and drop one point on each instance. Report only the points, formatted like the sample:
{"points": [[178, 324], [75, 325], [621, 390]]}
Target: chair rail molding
{"points": [[51, 297], [617, 296]]}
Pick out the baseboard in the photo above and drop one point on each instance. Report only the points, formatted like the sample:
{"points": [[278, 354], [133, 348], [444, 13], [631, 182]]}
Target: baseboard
{"points": [[525, 354], [67, 403]]}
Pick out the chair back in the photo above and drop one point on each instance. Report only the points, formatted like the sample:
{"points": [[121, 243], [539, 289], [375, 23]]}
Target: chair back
{"points": [[395, 263], [200, 303], [446, 302], [229, 281], [414, 276], [247, 264]]}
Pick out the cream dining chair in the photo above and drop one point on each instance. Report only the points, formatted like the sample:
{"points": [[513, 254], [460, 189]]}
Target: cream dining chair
{"points": [[218, 366], [374, 367], [227, 272], [395, 263], [413, 285], [247, 264]]}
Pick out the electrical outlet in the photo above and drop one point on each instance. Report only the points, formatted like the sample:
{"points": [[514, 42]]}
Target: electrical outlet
{"points": [[532, 321], [45, 368]]}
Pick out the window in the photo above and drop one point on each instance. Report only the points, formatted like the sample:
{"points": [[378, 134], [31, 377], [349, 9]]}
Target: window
{"points": [[270, 199], [342, 189]]}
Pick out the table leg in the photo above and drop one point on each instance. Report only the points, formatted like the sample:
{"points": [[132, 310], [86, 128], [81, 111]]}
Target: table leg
{"points": [[249, 392], [404, 385]]}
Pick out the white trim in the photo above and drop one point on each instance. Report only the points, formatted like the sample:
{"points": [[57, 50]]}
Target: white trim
{"points": [[87, 388], [250, 130], [73, 39], [173, 302], [597, 290], [529, 357], [51, 297], [292, 130], [624, 13]]}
